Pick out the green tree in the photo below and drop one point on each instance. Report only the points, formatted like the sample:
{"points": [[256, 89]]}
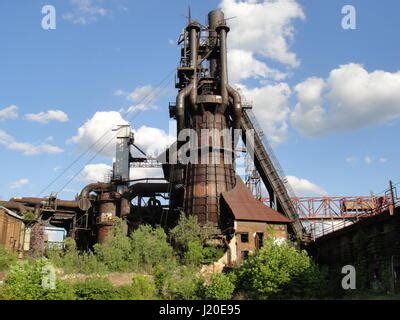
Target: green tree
{"points": [[116, 252], [221, 287], [150, 247], [278, 271]]}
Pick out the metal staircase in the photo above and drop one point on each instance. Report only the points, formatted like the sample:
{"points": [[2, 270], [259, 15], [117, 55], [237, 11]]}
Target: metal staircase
{"points": [[271, 173]]}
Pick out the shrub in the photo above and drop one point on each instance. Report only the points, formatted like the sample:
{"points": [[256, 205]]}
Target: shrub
{"points": [[95, 289], [115, 252], [278, 271], [194, 254], [185, 232], [181, 283], [220, 288], [150, 247], [24, 282], [72, 261], [7, 258], [143, 288]]}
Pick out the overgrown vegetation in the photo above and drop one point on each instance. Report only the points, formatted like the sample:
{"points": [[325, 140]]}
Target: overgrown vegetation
{"points": [[7, 258], [281, 271], [164, 267]]}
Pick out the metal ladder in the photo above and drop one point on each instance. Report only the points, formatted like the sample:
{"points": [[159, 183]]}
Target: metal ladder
{"points": [[271, 173]]}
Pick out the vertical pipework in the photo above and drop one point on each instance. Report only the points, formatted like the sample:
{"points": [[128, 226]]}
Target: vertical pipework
{"points": [[222, 31], [193, 30], [237, 106], [180, 106], [215, 18]]}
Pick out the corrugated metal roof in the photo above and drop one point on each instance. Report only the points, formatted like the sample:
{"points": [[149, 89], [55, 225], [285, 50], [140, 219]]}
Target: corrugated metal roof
{"points": [[245, 207]]}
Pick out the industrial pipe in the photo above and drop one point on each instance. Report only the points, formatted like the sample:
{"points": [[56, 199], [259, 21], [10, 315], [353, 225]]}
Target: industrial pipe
{"points": [[193, 29], [34, 201], [237, 106], [98, 186], [11, 205], [222, 31], [145, 189], [215, 18], [180, 106]]}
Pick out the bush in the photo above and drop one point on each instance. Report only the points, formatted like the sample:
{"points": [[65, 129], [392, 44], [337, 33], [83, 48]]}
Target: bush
{"points": [[179, 282], [7, 258], [221, 287], [95, 289], [191, 241], [194, 254], [280, 271], [115, 252], [72, 261], [150, 247], [143, 288], [24, 282]]}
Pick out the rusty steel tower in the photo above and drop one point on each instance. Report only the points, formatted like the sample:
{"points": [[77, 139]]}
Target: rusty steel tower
{"points": [[205, 102]]}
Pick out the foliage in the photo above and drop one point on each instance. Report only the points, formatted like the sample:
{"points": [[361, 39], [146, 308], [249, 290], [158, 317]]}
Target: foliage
{"points": [[178, 282], [73, 261], [142, 251], [7, 258], [24, 282], [190, 241], [150, 247], [143, 288], [280, 271], [95, 289], [185, 232], [115, 252], [220, 288], [212, 254], [194, 254], [30, 216]]}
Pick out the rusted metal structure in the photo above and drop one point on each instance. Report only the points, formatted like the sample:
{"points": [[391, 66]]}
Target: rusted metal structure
{"points": [[205, 102]]}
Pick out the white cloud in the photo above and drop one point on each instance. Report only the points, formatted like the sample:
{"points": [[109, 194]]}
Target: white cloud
{"points": [[351, 159], [143, 98], [382, 160], [304, 187], [153, 140], [95, 172], [27, 148], [263, 27], [10, 112], [120, 92], [243, 65], [350, 98], [47, 116], [85, 11], [96, 133], [99, 171], [271, 108], [368, 160], [19, 183]]}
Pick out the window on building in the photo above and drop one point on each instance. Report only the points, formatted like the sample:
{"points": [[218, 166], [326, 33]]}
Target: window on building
{"points": [[259, 240], [244, 254], [244, 237]]}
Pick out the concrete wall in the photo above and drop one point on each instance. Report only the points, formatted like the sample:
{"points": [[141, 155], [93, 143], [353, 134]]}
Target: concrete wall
{"points": [[371, 245]]}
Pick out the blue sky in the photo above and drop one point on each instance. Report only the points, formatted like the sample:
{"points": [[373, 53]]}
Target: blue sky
{"points": [[104, 55]]}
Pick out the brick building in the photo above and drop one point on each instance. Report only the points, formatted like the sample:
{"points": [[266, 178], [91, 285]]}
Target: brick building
{"points": [[247, 222]]}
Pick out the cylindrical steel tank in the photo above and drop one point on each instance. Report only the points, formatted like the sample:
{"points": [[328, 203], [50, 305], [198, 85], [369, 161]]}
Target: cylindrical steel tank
{"points": [[106, 217]]}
